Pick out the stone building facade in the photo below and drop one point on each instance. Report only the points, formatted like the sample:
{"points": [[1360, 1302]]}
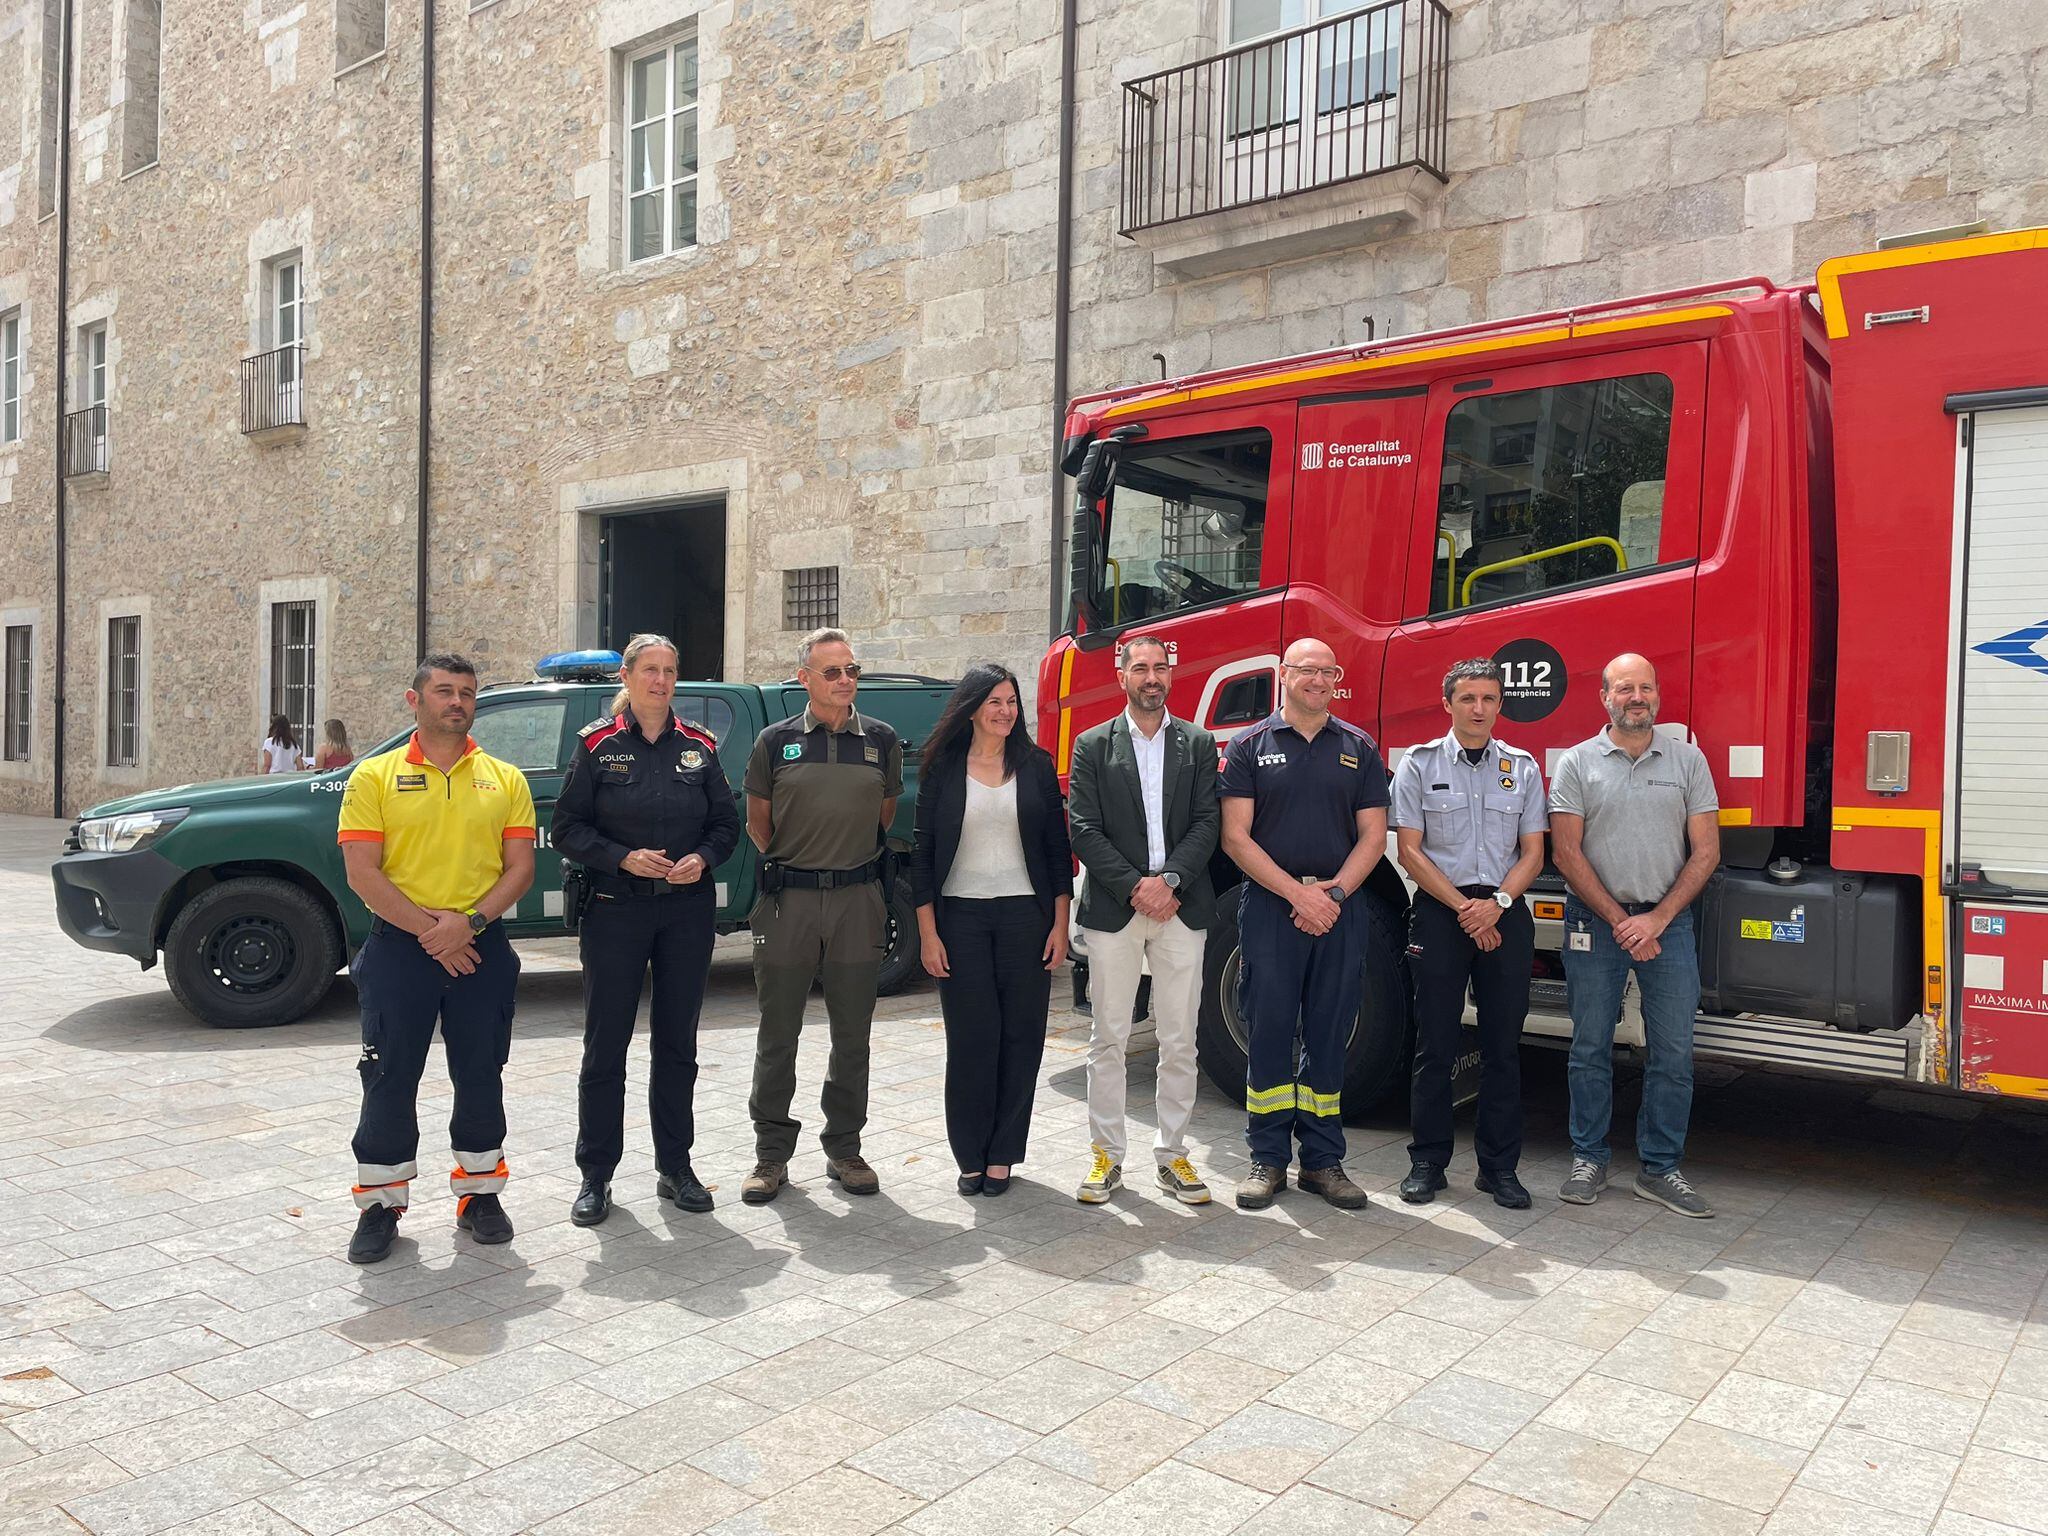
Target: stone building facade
{"points": [[797, 357]]}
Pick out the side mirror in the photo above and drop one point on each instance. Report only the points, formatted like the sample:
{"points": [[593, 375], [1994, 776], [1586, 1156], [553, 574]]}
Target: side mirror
{"points": [[1090, 481]]}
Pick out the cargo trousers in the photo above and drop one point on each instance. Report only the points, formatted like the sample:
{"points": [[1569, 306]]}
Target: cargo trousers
{"points": [[404, 994], [838, 936]]}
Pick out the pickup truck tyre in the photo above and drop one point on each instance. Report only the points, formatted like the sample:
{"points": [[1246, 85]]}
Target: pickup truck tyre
{"points": [[902, 961], [251, 952], [1382, 1041]]}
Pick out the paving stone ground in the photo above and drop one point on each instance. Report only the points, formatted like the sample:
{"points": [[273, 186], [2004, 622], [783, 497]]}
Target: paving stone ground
{"points": [[1859, 1344]]}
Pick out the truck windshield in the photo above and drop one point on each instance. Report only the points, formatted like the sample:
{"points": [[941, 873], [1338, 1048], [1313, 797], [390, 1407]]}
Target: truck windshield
{"points": [[1186, 523]]}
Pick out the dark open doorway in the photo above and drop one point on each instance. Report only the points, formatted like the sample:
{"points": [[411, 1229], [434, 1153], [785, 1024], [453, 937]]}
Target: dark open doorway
{"points": [[663, 570]]}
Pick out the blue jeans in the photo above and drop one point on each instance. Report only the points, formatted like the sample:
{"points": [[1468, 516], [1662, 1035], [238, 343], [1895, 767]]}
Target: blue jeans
{"points": [[1670, 986]]}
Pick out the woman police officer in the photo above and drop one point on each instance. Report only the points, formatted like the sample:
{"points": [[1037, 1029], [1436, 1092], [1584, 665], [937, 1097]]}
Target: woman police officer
{"points": [[647, 810]]}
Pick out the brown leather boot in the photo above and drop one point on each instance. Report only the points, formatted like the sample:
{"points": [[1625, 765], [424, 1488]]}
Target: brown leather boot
{"points": [[1333, 1185], [764, 1183], [853, 1175], [1255, 1191]]}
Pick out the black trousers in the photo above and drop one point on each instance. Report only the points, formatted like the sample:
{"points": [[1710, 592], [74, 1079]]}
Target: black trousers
{"points": [[404, 993], [622, 938], [1442, 962], [995, 1004]]}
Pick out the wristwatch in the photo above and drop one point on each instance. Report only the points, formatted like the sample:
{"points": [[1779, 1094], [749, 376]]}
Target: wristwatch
{"points": [[1335, 892], [1507, 902], [1172, 880], [477, 921]]}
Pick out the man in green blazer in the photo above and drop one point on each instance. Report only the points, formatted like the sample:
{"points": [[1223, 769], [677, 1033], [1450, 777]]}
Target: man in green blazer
{"points": [[1143, 809]]}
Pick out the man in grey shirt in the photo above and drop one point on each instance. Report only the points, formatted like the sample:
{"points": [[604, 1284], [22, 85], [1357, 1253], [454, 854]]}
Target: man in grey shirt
{"points": [[1635, 831]]}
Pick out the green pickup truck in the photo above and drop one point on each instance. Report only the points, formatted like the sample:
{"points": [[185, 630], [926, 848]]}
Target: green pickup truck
{"points": [[239, 882]]}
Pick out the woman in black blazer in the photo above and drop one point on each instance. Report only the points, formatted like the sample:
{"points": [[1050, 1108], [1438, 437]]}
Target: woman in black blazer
{"points": [[992, 876]]}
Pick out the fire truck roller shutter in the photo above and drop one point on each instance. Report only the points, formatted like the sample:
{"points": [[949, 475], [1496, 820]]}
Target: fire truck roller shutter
{"points": [[1378, 1053]]}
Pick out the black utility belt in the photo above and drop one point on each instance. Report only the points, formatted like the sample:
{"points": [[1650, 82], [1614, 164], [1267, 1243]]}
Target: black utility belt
{"points": [[786, 877], [633, 885]]}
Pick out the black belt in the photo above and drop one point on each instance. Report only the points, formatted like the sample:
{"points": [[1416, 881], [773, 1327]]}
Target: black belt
{"points": [[633, 885], [1477, 891], [828, 879], [378, 925], [1636, 908]]}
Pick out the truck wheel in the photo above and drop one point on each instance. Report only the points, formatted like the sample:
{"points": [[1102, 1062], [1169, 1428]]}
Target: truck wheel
{"points": [[1376, 1057], [251, 952], [902, 962]]}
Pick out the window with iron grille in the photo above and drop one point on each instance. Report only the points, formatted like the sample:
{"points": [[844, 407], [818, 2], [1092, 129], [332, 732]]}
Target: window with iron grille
{"points": [[291, 667], [810, 597], [20, 664], [124, 692]]}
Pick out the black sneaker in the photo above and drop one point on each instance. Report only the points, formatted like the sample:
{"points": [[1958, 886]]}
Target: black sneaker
{"points": [[1422, 1183], [484, 1219], [1506, 1189], [593, 1203], [682, 1187], [375, 1229]]}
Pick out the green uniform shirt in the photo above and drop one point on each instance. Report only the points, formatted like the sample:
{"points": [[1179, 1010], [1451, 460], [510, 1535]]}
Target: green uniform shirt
{"points": [[825, 788]]}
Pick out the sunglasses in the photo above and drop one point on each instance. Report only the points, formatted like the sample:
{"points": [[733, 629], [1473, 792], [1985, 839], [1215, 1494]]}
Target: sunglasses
{"points": [[833, 674]]}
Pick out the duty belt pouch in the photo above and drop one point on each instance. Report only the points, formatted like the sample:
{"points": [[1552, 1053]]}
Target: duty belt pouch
{"points": [[575, 895], [771, 878]]}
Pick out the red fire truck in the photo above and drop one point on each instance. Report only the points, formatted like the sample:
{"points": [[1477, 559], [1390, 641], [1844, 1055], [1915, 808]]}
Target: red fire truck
{"points": [[1821, 510]]}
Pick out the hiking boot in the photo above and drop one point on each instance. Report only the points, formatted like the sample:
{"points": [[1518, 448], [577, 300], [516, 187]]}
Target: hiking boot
{"points": [[1671, 1191], [682, 1187], [484, 1219], [375, 1229], [1333, 1185], [1255, 1191], [1103, 1176], [853, 1175], [1506, 1189], [1422, 1183], [1583, 1184], [1178, 1175], [764, 1183], [593, 1203]]}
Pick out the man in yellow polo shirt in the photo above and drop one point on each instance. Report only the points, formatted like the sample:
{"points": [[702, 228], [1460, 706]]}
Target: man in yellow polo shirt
{"points": [[438, 839]]}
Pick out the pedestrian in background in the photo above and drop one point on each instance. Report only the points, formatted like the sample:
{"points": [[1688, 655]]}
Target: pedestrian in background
{"points": [[280, 750], [1468, 813], [1145, 818], [1305, 817], [992, 877], [437, 839], [821, 792], [1635, 828], [334, 750], [646, 809]]}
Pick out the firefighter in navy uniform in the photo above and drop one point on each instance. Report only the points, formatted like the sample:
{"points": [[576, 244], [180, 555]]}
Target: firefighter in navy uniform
{"points": [[1469, 818], [646, 809], [1304, 816]]}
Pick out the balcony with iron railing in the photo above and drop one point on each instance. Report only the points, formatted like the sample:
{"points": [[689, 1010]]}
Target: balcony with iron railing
{"points": [[85, 444], [1331, 133], [274, 393]]}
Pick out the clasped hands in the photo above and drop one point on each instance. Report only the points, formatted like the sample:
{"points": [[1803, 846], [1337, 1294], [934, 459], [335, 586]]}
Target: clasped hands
{"points": [[450, 942], [1152, 897], [1639, 935], [653, 864]]}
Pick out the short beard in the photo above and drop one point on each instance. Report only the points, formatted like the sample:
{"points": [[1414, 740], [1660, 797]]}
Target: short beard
{"points": [[1619, 719]]}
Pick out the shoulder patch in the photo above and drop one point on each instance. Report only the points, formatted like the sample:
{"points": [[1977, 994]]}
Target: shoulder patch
{"points": [[598, 732], [696, 732]]}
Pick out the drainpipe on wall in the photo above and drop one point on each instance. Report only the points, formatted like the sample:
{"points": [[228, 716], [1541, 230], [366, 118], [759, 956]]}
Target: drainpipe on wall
{"points": [[1062, 293], [62, 328], [419, 615]]}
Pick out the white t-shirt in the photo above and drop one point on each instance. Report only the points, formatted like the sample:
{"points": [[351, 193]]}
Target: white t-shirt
{"points": [[990, 859], [279, 758]]}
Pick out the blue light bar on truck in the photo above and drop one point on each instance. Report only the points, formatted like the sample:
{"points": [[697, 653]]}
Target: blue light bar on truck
{"points": [[577, 666]]}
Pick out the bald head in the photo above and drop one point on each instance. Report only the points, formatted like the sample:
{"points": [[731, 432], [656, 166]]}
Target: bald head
{"points": [[1628, 689], [1629, 663], [1309, 674]]}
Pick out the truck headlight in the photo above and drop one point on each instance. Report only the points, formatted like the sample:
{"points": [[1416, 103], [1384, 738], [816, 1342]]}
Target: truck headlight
{"points": [[124, 834]]}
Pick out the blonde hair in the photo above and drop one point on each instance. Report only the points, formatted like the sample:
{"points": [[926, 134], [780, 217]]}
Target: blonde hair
{"points": [[631, 654]]}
